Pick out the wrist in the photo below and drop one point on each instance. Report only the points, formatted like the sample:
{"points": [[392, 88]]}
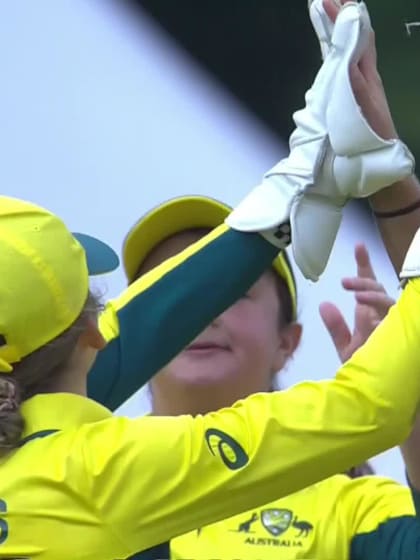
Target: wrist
{"points": [[397, 199]]}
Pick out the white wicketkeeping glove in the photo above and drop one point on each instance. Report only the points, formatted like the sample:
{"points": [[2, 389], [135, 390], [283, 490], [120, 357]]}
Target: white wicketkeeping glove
{"points": [[411, 265], [334, 156], [322, 24]]}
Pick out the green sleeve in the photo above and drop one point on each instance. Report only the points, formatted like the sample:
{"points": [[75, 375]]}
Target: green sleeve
{"points": [[156, 323], [395, 539]]}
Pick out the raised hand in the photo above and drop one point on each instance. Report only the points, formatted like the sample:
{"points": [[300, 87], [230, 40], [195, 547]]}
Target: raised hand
{"points": [[367, 83], [372, 304]]}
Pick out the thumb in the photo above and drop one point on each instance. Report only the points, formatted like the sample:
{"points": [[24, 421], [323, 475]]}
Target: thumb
{"points": [[336, 327]]}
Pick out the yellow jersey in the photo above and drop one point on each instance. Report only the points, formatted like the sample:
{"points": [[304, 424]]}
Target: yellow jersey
{"points": [[86, 485], [338, 519]]}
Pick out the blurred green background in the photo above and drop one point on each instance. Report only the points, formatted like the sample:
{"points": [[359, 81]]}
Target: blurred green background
{"points": [[265, 53]]}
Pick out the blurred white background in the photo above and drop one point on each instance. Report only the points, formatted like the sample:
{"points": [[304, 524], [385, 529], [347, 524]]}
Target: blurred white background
{"points": [[102, 117]]}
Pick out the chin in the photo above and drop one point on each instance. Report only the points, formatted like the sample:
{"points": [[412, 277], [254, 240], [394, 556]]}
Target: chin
{"points": [[203, 378], [200, 369]]}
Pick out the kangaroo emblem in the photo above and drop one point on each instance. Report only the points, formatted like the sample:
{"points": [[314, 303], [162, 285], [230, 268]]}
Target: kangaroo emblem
{"points": [[304, 527], [245, 526]]}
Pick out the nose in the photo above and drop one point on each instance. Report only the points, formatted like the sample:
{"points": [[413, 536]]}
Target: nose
{"points": [[215, 323], [214, 326]]}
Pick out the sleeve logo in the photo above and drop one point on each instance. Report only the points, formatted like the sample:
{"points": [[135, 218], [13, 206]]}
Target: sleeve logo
{"points": [[227, 448]]}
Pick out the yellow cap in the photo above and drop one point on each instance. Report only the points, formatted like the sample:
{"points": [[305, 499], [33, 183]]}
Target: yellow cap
{"points": [[180, 214], [44, 277]]}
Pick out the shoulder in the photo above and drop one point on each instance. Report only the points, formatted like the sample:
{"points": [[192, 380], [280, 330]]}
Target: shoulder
{"points": [[364, 488]]}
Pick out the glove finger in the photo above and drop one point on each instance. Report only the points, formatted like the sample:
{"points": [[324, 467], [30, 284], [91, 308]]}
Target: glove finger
{"points": [[315, 223]]}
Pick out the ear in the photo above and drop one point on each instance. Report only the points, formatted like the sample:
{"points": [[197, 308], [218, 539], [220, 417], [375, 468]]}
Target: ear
{"points": [[92, 336], [288, 340]]}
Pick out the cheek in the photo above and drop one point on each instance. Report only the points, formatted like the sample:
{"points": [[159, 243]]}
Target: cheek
{"points": [[253, 332], [178, 367]]}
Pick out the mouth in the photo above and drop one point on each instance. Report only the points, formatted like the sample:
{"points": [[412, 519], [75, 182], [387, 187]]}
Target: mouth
{"points": [[205, 348]]}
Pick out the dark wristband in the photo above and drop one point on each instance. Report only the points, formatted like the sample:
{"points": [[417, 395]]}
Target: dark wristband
{"points": [[399, 212]]}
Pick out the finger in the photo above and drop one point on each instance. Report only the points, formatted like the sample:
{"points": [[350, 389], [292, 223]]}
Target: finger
{"points": [[364, 266], [358, 284], [369, 59], [379, 302], [336, 327], [374, 299], [331, 8], [359, 85]]}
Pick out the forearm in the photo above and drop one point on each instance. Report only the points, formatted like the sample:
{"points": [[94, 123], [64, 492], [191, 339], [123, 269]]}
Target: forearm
{"points": [[397, 232], [164, 310]]}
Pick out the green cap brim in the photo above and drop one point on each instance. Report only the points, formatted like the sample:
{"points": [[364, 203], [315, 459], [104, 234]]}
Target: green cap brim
{"points": [[100, 257]]}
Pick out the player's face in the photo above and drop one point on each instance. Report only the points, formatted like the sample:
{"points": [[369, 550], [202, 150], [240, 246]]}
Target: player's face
{"points": [[242, 349]]}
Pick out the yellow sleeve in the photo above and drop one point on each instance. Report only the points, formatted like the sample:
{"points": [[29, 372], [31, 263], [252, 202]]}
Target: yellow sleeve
{"points": [[155, 478]]}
